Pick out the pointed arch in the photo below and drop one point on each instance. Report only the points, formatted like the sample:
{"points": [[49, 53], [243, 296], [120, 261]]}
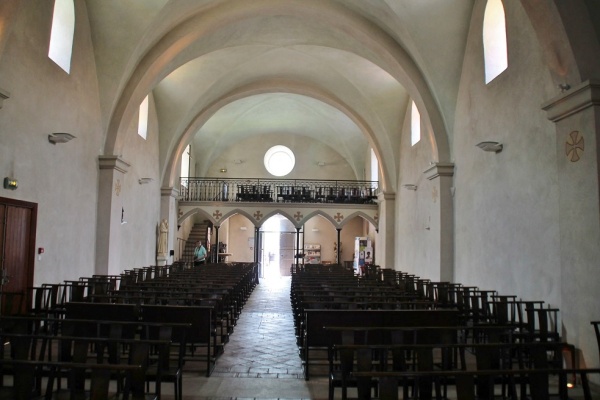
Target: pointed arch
{"points": [[319, 213], [358, 214]]}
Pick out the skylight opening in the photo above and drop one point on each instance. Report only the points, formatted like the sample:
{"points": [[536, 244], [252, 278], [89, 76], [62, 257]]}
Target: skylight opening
{"points": [[415, 125], [61, 35], [494, 40]]}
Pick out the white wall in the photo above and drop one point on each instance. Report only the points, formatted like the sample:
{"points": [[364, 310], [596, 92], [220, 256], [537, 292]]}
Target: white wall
{"points": [[62, 179], [506, 204]]}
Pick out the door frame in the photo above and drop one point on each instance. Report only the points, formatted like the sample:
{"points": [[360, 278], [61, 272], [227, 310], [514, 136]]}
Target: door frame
{"points": [[30, 257]]}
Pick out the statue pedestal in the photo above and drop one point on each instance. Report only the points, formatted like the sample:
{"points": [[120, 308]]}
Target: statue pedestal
{"points": [[161, 260]]}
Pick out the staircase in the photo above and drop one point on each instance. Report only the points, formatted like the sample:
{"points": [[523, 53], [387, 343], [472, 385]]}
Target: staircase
{"points": [[198, 232]]}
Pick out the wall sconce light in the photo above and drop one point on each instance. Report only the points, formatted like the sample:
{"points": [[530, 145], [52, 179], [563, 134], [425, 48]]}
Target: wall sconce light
{"points": [[243, 228], [223, 170], [143, 181], [10, 183], [60, 137], [321, 163], [490, 146], [409, 186], [315, 229]]}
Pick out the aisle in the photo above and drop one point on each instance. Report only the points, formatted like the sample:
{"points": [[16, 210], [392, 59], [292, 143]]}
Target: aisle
{"points": [[263, 343], [261, 359]]}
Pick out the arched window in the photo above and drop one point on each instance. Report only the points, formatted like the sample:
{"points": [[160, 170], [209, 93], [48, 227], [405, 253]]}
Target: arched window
{"points": [[61, 35], [415, 125], [143, 119], [494, 40]]}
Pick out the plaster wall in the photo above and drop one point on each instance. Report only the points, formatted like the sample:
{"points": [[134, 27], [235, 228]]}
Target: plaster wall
{"points": [[62, 179], [308, 153], [506, 204], [141, 203], [416, 243]]}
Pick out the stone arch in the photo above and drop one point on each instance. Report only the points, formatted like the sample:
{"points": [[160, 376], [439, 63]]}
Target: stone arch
{"points": [[358, 214], [272, 213], [374, 43], [194, 211], [320, 213], [558, 26], [283, 86]]}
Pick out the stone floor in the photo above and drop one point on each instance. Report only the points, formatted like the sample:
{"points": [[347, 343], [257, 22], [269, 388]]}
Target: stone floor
{"points": [[261, 359]]}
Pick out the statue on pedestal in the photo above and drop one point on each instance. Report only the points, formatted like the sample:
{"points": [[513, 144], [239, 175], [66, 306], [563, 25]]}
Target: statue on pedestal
{"points": [[163, 233]]}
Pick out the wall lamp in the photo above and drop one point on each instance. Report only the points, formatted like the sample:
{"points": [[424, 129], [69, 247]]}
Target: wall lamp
{"points": [[321, 163], [143, 181], [10, 183], [409, 186], [494, 147], [223, 170], [60, 137]]}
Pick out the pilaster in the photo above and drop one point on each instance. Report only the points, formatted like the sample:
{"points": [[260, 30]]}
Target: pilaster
{"points": [[385, 250], [109, 216], [441, 176], [168, 211], [576, 114]]}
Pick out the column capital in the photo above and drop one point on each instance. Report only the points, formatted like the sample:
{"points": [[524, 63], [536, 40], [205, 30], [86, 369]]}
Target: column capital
{"points": [[439, 169], [169, 191], [386, 196], [113, 162], [574, 100]]}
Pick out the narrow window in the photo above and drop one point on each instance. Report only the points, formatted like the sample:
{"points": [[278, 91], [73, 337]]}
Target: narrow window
{"points": [[494, 40], [415, 125], [374, 167], [143, 119], [61, 35], [185, 165]]}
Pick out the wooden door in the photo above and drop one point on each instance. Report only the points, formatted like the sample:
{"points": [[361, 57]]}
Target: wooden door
{"points": [[18, 221]]}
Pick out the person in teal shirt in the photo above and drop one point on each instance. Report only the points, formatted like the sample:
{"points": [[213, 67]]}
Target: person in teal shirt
{"points": [[199, 254]]}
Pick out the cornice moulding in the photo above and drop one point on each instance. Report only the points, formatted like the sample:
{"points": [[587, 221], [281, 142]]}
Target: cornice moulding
{"points": [[574, 100]]}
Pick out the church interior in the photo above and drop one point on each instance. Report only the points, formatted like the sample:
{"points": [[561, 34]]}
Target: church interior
{"points": [[456, 138]]}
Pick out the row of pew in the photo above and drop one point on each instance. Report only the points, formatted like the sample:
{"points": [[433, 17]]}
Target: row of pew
{"points": [[388, 334], [131, 332]]}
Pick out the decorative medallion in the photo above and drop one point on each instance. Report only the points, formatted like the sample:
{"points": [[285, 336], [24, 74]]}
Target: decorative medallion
{"points": [[434, 194], [298, 216], [376, 217], [338, 217], [258, 215], [118, 187], [574, 146], [217, 215], [180, 213]]}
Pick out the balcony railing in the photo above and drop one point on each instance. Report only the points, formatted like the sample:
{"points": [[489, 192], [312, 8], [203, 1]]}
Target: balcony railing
{"points": [[278, 190]]}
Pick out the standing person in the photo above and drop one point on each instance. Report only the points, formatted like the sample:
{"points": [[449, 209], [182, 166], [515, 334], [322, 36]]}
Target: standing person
{"points": [[199, 254]]}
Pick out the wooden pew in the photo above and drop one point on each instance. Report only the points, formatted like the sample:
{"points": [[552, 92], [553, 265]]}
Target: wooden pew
{"points": [[315, 320]]}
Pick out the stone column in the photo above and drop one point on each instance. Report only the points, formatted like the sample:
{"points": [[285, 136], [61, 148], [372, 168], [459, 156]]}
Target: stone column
{"points": [[384, 248], [110, 214], [168, 211], [442, 220], [576, 114]]}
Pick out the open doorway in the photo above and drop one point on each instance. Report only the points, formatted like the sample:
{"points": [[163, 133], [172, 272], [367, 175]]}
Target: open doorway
{"points": [[278, 247]]}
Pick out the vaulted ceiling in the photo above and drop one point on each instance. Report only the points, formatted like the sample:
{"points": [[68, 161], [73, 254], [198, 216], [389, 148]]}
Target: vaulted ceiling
{"points": [[341, 72]]}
